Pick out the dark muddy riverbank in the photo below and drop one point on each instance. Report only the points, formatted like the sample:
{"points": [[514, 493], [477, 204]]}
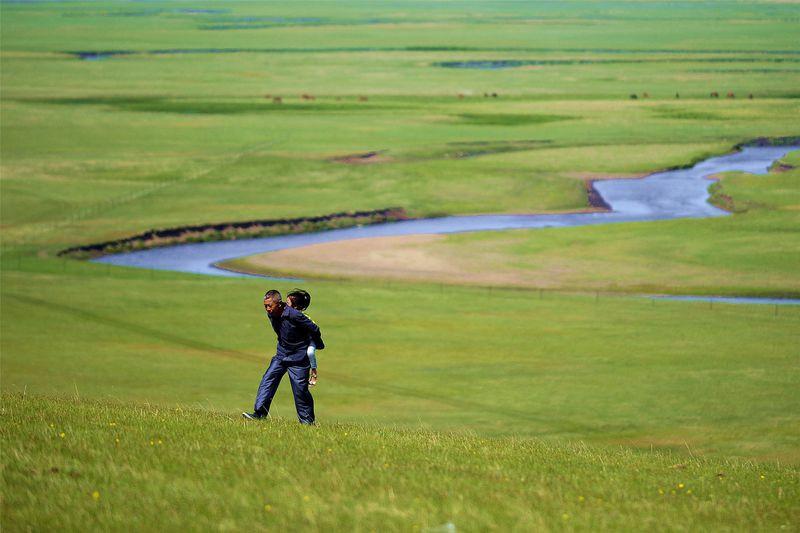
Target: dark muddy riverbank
{"points": [[227, 231]]}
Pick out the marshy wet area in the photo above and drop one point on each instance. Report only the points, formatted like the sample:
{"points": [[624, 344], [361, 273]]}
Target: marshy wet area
{"points": [[630, 56], [502, 64]]}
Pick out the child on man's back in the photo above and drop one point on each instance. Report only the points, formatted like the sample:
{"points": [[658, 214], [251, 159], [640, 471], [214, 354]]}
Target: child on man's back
{"points": [[300, 300]]}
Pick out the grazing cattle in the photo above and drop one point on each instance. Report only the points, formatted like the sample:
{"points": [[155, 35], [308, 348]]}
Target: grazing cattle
{"points": [[362, 98], [750, 96], [277, 100], [494, 95], [730, 95], [307, 97], [486, 95], [634, 97], [677, 95], [715, 94], [267, 96], [645, 95], [460, 96]]}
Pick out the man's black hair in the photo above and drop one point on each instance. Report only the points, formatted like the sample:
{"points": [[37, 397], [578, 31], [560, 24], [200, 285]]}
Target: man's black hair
{"points": [[272, 294], [300, 298]]}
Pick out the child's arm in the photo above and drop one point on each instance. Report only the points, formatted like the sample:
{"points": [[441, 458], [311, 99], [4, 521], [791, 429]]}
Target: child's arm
{"points": [[312, 357]]}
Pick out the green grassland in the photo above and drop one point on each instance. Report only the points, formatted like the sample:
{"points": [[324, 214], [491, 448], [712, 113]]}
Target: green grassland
{"points": [[109, 466], [610, 371], [97, 150]]}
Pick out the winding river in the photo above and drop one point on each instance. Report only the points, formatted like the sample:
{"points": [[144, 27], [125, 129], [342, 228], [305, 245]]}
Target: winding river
{"points": [[664, 195]]}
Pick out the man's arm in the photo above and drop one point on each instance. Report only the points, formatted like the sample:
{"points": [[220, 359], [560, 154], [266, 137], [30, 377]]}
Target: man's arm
{"points": [[313, 330]]}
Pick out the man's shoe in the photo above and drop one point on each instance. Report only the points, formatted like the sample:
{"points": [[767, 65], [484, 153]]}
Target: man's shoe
{"points": [[252, 416]]}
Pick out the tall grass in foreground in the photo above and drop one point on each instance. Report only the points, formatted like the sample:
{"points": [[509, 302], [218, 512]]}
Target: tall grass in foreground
{"points": [[73, 464]]}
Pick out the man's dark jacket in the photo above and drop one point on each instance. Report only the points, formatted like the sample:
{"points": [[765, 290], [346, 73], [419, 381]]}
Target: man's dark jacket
{"points": [[295, 332]]}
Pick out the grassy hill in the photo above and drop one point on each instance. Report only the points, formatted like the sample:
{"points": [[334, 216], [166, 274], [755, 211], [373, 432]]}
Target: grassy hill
{"points": [[73, 464]]}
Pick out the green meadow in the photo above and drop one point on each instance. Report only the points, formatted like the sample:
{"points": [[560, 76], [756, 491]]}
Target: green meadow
{"points": [[440, 405], [111, 466]]}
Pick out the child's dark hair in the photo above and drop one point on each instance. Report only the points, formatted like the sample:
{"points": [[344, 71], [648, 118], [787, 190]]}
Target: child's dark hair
{"points": [[300, 299]]}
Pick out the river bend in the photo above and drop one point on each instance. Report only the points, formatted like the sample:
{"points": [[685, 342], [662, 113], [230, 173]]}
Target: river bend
{"points": [[671, 194]]}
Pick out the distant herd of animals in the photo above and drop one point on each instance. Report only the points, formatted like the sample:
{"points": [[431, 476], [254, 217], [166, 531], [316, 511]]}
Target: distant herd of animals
{"points": [[307, 97], [461, 96], [713, 94]]}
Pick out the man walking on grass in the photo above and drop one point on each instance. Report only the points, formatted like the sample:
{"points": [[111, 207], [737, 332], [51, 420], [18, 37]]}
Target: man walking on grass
{"points": [[295, 331]]}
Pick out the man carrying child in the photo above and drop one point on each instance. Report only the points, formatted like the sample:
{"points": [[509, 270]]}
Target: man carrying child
{"points": [[296, 332]]}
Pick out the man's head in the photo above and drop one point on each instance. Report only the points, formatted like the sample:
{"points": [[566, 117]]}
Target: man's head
{"points": [[273, 303]]}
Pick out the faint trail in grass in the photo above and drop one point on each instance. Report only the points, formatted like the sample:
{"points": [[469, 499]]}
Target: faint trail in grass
{"points": [[458, 402]]}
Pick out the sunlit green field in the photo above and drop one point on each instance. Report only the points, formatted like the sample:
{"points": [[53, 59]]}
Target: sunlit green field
{"points": [[111, 466], [184, 128]]}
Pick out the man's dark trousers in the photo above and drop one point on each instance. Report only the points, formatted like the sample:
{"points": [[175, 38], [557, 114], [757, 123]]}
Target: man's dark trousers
{"points": [[298, 376]]}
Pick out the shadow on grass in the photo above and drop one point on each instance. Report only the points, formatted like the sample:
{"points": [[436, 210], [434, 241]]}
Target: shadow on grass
{"points": [[686, 114], [508, 119], [156, 104]]}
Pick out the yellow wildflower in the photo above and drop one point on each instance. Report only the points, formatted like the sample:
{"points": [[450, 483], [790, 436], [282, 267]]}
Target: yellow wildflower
{"points": [[62, 435], [95, 495]]}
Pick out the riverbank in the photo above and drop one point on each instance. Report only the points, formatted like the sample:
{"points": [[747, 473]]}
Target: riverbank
{"points": [[250, 229], [264, 228]]}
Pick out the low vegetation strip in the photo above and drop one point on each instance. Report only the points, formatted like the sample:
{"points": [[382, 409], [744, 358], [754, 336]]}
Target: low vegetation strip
{"points": [[75, 464], [235, 230]]}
